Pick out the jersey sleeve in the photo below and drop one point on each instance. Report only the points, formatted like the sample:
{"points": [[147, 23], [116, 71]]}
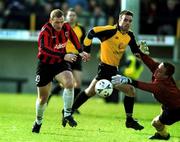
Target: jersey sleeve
{"points": [[150, 87], [149, 62], [100, 32], [83, 34], [133, 45]]}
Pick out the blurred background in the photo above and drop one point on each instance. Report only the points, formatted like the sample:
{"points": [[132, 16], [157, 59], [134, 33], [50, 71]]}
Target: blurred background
{"points": [[156, 21]]}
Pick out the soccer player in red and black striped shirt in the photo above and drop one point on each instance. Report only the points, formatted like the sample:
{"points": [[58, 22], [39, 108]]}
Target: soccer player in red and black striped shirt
{"points": [[54, 63], [76, 66], [164, 90]]}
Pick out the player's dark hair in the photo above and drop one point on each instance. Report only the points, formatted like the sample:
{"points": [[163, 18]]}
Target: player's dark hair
{"points": [[71, 9], [169, 68], [56, 13], [126, 12]]}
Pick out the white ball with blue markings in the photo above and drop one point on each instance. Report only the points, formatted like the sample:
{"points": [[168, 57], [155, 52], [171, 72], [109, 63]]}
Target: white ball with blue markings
{"points": [[104, 88]]}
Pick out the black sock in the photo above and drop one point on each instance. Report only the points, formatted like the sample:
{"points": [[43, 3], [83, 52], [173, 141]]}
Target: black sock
{"points": [[128, 105], [76, 92], [56, 89], [80, 99], [113, 98]]}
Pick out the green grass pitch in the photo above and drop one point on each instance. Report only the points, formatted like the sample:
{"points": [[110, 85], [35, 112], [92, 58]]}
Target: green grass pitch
{"points": [[98, 121]]}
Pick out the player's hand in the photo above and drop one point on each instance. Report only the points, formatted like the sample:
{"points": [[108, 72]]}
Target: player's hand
{"points": [[70, 57], [144, 48], [85, 56], [119, 79]]}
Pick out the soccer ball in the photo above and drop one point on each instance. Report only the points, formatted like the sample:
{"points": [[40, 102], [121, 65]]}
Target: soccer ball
{"points": [[104, 88]]}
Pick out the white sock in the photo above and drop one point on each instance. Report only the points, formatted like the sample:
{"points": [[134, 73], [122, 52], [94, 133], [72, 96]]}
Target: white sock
{"points": [[68, 97], [39, 111]]}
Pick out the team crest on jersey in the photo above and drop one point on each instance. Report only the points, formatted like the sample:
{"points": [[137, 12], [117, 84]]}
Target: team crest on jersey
{"points": [[120, 45], [67, 34], [116, 37]]}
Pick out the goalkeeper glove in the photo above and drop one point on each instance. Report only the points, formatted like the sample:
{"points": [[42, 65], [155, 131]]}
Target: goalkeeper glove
{"points": [[144, 48], [119, 79]]}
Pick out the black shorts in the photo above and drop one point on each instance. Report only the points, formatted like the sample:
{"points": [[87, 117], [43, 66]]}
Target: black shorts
{"points": [[46, 72], [106, 71], [77, 65], [168, 117]]}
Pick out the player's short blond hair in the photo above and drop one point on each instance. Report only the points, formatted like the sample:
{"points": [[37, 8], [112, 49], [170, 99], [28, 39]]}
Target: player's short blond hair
{"points": [[56, 13]]}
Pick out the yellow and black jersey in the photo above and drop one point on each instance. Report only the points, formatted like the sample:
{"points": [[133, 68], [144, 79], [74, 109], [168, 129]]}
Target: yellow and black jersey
{"points": [[113, 43], [80, 32]]}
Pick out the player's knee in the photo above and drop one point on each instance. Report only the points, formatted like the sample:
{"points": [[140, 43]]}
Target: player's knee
{"points": [[131, 91], [43, 99], [90, 92], [69, 84], [77, 84]]}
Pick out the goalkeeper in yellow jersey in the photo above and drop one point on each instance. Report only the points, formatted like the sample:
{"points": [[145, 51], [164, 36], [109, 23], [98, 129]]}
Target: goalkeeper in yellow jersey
{"points": [[114, 40], [76, 66]]}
